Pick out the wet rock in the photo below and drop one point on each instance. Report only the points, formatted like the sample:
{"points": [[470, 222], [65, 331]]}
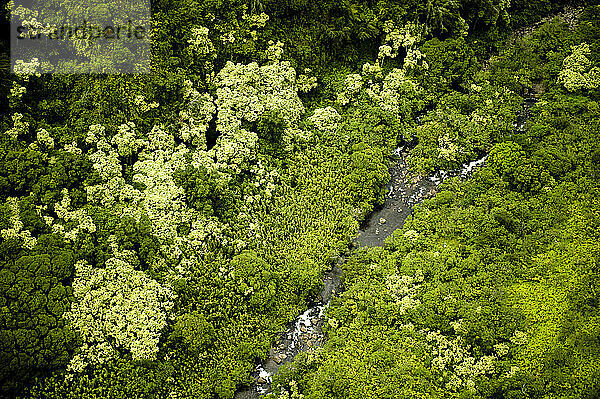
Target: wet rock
{"points": [[277, 359], [382, 220]]}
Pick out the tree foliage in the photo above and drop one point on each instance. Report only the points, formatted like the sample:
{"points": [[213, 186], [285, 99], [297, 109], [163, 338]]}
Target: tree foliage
{"points": [[159, 231]]}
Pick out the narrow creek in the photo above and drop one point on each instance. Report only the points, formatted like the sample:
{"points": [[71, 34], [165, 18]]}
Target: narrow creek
{"points": [[403, 194]]}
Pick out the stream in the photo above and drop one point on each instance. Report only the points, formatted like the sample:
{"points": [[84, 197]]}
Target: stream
{"points": [[306, 332], [403, 193]]}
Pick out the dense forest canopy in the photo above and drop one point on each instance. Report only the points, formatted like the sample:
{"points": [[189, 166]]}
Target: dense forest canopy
{"points": [[160, 229]]}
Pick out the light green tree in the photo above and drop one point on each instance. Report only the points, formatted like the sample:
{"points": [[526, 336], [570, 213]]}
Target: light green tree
{"points": [[578, 72]]}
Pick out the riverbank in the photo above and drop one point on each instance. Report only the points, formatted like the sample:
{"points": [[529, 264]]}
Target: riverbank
{"points": [[305, 333]]}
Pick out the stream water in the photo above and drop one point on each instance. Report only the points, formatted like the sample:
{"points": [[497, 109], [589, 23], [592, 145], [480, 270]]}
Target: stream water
{"points": [[306, 333], [302, 335]]}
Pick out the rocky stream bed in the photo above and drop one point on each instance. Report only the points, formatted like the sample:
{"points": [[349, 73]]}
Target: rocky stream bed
{"points": [[404, 192], [306, 331]]}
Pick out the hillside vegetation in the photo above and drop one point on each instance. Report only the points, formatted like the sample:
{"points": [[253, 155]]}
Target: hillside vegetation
{"points": [[159, 230]]}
